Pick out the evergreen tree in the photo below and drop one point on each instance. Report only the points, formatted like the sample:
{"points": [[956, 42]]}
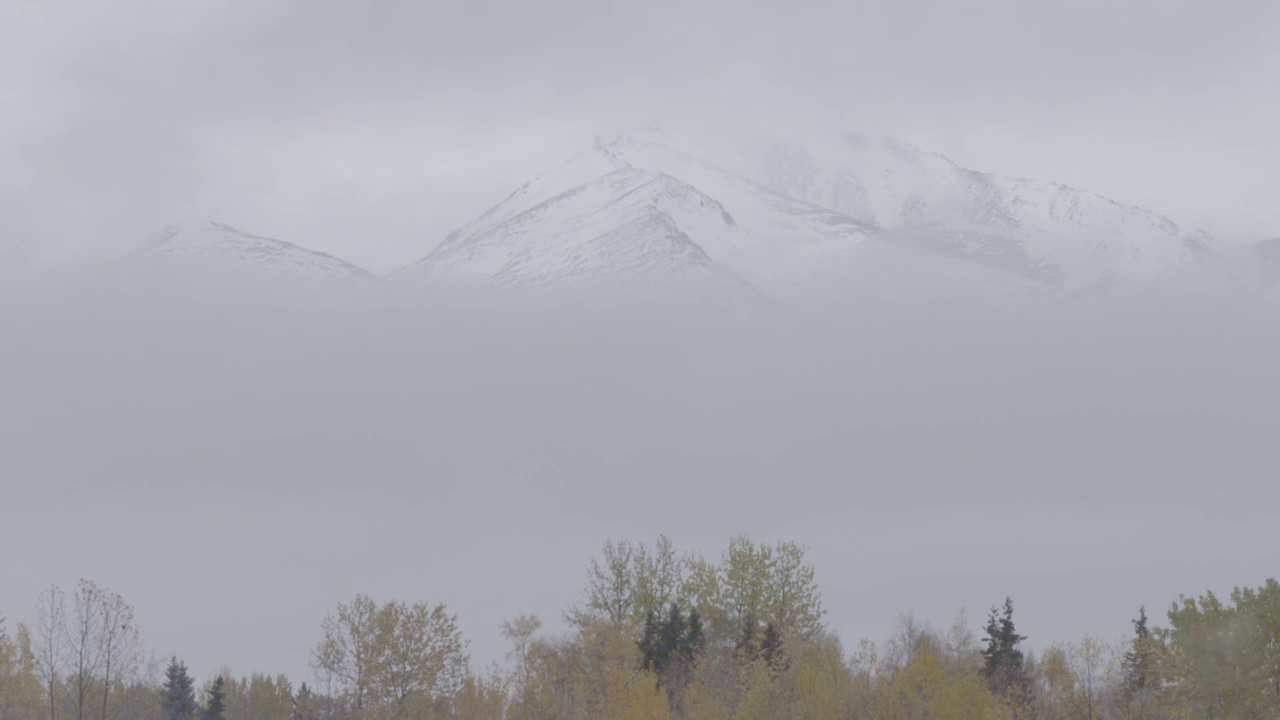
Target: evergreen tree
{"points": [[1139, 662], [670, 649], [747, 647], [1004, 666], [771, 648], [649, 643], [216, 707], [692, 645], [671, 640], [303, 705], [178, 695]]}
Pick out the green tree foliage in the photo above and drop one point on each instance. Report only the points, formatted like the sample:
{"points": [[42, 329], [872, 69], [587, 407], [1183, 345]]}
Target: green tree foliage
{"points": [[1231, 651], [771, 650], [929, 687], [691, 643], [1003, 663], [755, 584], [215, 707], [1140, 667], [258, 696], [626, 582], [657, 636], [304, 705], [178, 695], [406, 658], [749, 582], [20, 688], [671, 649]]}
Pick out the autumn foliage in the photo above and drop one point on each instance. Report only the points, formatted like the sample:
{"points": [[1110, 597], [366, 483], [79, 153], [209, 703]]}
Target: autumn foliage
{"points": [[659, 635]]}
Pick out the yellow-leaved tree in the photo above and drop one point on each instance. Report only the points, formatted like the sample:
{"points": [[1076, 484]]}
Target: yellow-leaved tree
{"points": [[924, 690], [20, 688], [392, 660]]}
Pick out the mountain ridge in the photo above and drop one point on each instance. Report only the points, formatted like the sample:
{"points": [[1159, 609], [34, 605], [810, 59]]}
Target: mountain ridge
{"points": [[1075, 235], [790, 231], [828, 213], [204, 240]]}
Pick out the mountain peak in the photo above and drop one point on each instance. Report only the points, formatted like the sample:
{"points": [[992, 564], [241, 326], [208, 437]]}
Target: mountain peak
{"points": [[625, 222], [1044, 228], [206, 241], [646, 134], [786, 216]]}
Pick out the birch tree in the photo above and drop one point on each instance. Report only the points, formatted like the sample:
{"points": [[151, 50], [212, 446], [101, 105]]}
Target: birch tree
{"points": [[397, 657], [84, 643], [348, 652], [610, 591], [119, 647], [1088, 660], [49, 627]]}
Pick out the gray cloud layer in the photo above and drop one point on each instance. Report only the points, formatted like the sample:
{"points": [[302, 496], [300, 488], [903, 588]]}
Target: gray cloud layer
{"points": [[371, 129], [237, 459], [257, 461]]}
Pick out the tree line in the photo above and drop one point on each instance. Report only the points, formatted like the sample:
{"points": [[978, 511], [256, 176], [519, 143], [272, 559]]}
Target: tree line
{"points": [[654, 635]]}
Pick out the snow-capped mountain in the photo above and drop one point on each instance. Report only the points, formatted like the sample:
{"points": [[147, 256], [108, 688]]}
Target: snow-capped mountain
{"points": [[604, 211], [636, 204], [858, 212], [206, 242], [1044, 230], [621, 223]]}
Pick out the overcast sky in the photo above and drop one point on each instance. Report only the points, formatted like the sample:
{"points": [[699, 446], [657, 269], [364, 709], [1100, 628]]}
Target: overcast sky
{"points": [[370, 129], [236, 461], [237, 465]]}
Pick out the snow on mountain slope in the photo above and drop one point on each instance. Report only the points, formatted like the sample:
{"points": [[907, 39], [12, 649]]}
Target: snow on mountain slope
{"points": [[1038, 228], [636, 204], [625, 222], [799, 245], [209, 242]]}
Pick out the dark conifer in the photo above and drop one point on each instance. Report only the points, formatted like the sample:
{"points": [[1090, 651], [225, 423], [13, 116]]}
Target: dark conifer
{"points": [[692, 645], [178, 696], [1138, 665], [771, 648], [1004, 665], [671, 640], [303, 704], [747, 647], [649, 643], [216, 708]]}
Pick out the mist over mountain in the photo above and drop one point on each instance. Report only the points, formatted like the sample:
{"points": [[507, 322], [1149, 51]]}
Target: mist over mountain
{"points": [[672, 360], [647, 342], [845, 217], [1036, 227], [388, 438], [203, 242]]}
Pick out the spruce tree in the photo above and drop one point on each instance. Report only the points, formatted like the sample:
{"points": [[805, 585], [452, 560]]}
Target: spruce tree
{"points": [[649, 643], [670, 650], [303, 705], [216, 707], [771, 648], [671, 639], [746, 646], [1003, 665], [692, 644], [178, 695], [1138, 665]]}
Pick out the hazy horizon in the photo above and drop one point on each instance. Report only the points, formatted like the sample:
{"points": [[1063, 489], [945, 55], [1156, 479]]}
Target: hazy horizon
{"points": [[236, 451], [238, 461]]}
